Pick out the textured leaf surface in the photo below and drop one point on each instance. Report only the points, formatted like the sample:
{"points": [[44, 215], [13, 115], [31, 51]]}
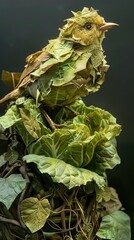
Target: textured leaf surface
{"points": [[10, 118], [34, 213], [74, 145], [109, 199], [30, 123], [97, 119], [11, 156], [62, 172], [115, 226], [105, 157], [10, 188], [60, 50]]}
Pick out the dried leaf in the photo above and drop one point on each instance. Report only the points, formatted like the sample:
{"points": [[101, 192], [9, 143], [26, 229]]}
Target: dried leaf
{"points": [[11, 78]]}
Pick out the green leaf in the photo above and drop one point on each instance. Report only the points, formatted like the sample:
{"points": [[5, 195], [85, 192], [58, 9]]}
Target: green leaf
{"points": [[97, 118], [11, 156], [115, 226], [105, 157], [30, 123], [52, 145], [62, 172], [73, 144], [10, 118], [34, 213], [60, 50], [2, 160], [10, 188]]}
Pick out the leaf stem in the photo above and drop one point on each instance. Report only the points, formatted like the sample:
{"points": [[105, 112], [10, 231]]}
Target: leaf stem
{"points": [[11, 221]]}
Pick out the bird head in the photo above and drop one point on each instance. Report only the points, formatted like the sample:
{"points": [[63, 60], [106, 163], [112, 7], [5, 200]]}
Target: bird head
{"points": [[84, 27]]}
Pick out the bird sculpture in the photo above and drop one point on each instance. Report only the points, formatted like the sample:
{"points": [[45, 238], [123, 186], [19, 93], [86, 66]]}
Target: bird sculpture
{"points": [[70, 66]]}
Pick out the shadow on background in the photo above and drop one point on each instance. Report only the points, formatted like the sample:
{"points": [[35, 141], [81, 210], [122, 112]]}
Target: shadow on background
{"points": [[26, 26]]}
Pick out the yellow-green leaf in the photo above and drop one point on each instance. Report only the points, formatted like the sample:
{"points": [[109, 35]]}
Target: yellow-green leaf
{"points": [[64, 173], [34, 213], [30, 123]]}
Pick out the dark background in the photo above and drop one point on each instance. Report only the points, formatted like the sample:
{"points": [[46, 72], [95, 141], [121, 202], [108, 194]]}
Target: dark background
{"points": [[26, 26]]}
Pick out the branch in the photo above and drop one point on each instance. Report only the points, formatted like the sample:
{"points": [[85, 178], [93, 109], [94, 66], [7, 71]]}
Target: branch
{"points": [[8, 220]]}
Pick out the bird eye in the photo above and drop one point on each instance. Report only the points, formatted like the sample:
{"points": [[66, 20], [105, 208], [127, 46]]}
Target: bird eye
{"points": [[88, 26]]}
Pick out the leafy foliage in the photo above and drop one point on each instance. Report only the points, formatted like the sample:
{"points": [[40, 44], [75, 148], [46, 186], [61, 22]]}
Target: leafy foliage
{"points": [[56, 150], [73, 156], [35, 213], [62, 172], [10, 188], [115, 226]]}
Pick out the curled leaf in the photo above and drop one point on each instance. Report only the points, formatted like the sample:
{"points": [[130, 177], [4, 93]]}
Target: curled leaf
{"points": [[62, 172]]}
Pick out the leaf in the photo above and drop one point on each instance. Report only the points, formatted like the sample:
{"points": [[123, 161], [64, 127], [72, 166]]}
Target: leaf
{"points": [[109, 199], [115, 226], [73, 144], [81, 62], [97, 57], [98, 119], [60, 50], [11, 156], [34, 213], [30, 123], [62, 172], [105, 157], [104, 194], [10, 118], [10, 188], [2, 160], [44, 67], [11, 78]]}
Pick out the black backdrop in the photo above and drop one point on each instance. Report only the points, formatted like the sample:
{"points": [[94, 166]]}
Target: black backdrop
{"points": [[26, 26]]}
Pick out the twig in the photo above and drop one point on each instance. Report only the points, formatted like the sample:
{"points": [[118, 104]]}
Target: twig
{"points": [[24, 174], [72, 110], [50, 121], [13, 80], [8, 220], [15, 165]]}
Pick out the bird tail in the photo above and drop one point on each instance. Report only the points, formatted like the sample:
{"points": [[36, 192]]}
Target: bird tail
{"points": [[10, 96]]}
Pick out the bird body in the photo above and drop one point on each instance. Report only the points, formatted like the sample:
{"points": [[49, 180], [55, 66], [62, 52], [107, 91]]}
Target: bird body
{"points": [[70, 66]]}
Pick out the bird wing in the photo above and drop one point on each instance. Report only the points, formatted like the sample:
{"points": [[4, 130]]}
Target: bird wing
{"points": [[32, 64], [39, 62]]}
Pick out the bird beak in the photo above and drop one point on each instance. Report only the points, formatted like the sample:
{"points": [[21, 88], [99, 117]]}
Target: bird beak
{"points": [[107, 26]]}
